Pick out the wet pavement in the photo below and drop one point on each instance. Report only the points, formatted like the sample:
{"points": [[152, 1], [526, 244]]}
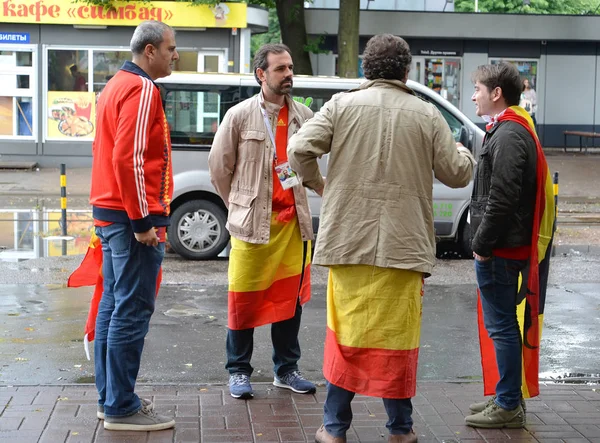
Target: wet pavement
{"points": [[41, 334], [183, 363], [45, 393]]}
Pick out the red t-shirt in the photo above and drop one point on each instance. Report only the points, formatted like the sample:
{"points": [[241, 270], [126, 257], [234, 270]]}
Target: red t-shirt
{"points": [[282, 199]]}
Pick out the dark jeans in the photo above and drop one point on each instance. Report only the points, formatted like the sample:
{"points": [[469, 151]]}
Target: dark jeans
{"points": [[286, 348], [130, 270], [497, 279], [338, 412]]}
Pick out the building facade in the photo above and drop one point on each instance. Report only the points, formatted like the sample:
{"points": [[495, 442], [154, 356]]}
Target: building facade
{"points": [[559, 55], [55, 58]]}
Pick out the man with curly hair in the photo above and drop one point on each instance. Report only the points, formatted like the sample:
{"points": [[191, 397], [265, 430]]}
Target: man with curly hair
{"points": [[376, 233]]}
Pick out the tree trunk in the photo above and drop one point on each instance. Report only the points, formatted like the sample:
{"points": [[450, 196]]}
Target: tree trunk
{"points": [[349, 19], [293, 33]]}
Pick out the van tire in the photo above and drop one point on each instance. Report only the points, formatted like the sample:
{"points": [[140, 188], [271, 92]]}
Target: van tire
{"points": [[206, 220], [464, 240]]}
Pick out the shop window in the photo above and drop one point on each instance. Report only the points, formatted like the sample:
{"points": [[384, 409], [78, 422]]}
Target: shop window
{"points": [[527, 69], [443, 76], [17, 96], [71, 102], [106, 64], [188, 61], [67, 70]]}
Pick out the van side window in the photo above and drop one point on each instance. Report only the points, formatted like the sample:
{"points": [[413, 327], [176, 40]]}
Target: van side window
{"points": [[453, 122], [194, 115], [313, 98]]}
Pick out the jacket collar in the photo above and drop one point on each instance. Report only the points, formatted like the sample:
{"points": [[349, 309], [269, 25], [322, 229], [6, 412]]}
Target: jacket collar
{"points": [[273, 109], [386, 84], [135, 69]]}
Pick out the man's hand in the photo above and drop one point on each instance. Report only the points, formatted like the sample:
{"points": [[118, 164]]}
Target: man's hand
{"points": [[480, 258], [149, 238]]}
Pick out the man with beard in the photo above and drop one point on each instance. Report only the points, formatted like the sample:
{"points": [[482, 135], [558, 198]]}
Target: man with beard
{"points": [[269, 221]]}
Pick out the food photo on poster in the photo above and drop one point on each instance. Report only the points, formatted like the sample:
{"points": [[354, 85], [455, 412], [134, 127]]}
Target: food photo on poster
{"points": [[71, 114]]}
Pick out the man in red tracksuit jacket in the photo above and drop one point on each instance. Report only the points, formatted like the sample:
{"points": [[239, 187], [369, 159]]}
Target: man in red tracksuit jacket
{"points": [[132, 186]]}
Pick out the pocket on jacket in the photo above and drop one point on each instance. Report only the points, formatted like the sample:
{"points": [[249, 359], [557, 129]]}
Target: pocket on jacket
{"points": [[241, 211], [252, 145]]}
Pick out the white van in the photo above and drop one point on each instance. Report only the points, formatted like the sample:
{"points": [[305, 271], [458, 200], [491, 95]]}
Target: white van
{"points": [[196, 103]]}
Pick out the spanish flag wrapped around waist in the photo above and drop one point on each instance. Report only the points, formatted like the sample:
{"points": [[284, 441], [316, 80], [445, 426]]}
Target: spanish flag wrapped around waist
{"points": [[89, 273], [267, 281], [533, 279], [373, 330]]}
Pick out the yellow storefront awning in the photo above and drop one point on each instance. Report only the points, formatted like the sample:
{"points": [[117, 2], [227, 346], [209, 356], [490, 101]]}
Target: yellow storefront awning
{"points": [[175, 14]]}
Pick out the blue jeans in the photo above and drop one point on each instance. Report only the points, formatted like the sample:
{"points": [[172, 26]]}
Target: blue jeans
{"points": [[286, 348], [130, 270], [497, 279], [338, 412]]}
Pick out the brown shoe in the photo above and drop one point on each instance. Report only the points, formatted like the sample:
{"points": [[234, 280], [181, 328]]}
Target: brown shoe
{"points": [[411, 437], [323, 436]]}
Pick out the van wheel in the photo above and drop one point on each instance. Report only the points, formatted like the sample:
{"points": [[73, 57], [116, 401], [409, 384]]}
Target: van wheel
{"points": [[197, 230], [464, 240]]}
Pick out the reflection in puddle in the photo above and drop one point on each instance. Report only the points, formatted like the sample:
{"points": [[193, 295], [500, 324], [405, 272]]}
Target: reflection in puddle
{"points": [[31, 233]]}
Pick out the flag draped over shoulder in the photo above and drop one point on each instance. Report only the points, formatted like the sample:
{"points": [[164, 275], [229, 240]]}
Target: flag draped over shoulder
{"points": [[533, 279], [89, 273]]}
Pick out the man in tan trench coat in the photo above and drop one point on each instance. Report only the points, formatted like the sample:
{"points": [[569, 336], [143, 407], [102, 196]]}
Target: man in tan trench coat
{"points": [[376, 233]]}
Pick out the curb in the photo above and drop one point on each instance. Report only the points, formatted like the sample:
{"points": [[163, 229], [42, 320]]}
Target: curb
{"points": [[574, 250]]}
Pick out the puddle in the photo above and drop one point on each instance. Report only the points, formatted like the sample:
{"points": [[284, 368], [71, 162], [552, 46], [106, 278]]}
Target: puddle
{"points": [[36, 233]]}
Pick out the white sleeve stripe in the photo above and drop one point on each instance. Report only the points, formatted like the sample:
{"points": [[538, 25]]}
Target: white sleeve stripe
{"points": [[139, 144], [145, 118]]}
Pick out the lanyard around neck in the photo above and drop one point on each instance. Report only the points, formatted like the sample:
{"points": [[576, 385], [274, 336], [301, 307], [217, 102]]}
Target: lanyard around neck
{"points": [[270, 131]]}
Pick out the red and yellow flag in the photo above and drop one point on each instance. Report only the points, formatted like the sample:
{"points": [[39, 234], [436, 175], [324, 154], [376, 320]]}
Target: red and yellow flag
{"points": [[89, 273], [533, 279], [266, 281], [373, 330]]}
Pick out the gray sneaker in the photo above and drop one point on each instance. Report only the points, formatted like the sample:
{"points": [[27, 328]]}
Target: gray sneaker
{"points": [[479, 407], [143, 420], [145, 402], [494, 417]]}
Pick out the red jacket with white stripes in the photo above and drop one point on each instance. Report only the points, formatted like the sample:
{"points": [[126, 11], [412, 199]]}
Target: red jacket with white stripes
{"points": [[132, 178]]}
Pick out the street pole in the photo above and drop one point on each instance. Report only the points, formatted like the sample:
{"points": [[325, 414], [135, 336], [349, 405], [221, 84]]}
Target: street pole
{"points": [[63, 205], [476, 5]]}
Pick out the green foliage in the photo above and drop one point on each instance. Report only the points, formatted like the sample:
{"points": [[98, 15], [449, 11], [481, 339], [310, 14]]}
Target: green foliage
{"points": [[564, 7], [273, 35], [314, 45]]}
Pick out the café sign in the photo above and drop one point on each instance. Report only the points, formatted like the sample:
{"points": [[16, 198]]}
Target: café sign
{"points": [[176, 14]]}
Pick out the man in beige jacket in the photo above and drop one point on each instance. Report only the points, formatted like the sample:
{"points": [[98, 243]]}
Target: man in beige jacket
{"points": [[269, 221], [376, 232]]}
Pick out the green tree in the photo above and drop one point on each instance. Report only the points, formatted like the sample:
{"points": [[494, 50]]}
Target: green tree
{"points": [[273, 35], [576, 7]]}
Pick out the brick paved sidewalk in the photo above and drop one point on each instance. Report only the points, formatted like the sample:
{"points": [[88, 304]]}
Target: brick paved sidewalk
{"points": [[51, 414]]}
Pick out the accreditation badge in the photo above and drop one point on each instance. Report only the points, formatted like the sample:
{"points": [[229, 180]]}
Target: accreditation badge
{"points": [[286, 175]]}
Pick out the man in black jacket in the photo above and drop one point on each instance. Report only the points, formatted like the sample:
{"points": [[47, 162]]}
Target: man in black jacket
{"points": [[502, 216]]}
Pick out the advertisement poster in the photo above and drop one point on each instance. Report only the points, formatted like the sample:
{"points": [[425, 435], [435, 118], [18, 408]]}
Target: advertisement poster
{"points": [[6, 116], [71, 114]]}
